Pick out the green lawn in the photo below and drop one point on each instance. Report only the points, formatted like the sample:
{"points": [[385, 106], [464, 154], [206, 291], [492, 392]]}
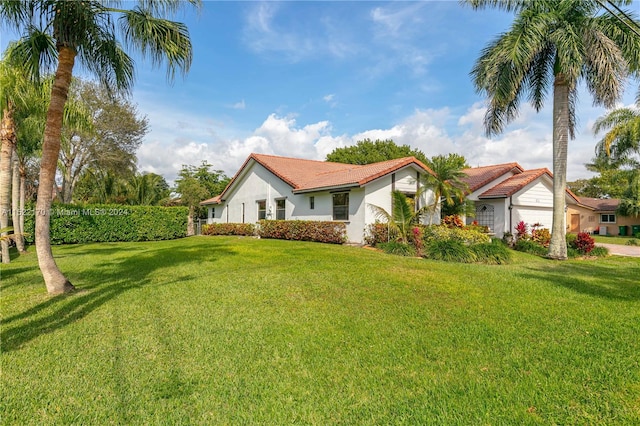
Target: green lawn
{"points": [[227, 330], [613, 240]]}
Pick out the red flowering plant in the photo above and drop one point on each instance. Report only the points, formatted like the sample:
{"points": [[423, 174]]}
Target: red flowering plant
{"points": [[522, 230], [584, 243]]}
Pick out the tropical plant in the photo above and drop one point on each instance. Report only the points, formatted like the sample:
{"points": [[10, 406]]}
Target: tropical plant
{"points": [[402, 217], [57, 33], [622, 138], [554, 44], [630, 204], [367, 151], [446, 181]]}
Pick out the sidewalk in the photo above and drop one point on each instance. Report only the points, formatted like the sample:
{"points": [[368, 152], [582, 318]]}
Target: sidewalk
{"points": [[620, 250]]}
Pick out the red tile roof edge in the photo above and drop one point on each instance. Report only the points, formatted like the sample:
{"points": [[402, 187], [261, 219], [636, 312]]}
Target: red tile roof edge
{"points": [[501, 169], [534, 174]]}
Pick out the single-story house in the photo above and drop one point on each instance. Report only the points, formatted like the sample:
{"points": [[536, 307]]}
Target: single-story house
{"points": [[273, 187], [505, 194], [596, 215]]}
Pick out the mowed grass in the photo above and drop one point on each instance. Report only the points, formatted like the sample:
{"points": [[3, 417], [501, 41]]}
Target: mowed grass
{"points": [[613, 239], [226, 330]]}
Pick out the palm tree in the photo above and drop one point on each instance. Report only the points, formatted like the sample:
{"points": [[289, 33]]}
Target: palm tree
{"points": [[622, 139], [555, 44], [446, 180], [402, 217], [86, 31]]}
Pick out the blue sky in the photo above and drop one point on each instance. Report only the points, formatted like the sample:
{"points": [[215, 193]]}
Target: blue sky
{"points": [[302, 78]]}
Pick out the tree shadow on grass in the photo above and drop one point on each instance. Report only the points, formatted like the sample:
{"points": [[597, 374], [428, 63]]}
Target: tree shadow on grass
{"points": [[607, 281], [105, 282]]}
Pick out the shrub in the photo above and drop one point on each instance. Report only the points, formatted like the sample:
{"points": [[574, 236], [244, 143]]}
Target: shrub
{"points": [[633, 242], [229, 229], [584, 243], [571, 238], [541, 236], [531, 247], [599, 251], [464, 236], [522, 231], [452, 221], [417, 239], [378, 232], [397, 248], [449, 250], [72, 224], [493, 253], [304, 230]]}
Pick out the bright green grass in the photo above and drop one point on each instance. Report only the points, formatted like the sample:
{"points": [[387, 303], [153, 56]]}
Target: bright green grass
{"points": [[227, 330], [612, 240]]}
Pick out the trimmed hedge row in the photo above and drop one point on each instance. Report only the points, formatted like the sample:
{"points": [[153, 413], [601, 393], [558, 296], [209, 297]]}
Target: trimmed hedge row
{"points": [[245, 229], [304, 230], [71, 224]]}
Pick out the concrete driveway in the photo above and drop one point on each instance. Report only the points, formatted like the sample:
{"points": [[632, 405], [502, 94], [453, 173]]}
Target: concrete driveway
{"points": [[620, 250]]}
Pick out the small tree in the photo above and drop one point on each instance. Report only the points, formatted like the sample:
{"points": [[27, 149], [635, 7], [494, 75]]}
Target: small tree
{"points": [[191, 191], [402, 216]]}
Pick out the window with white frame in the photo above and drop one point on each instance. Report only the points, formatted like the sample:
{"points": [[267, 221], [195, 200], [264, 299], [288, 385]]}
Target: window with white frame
{"points": [[607, 218], [281, 206], [312, 202], [262, 209], [341, 206], [485, 215]]}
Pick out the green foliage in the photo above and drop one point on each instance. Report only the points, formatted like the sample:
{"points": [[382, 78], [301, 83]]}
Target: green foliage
{"points": [[449, 251], [71, 224], [379, 232], [304, 230], [402, 218], [531, 247], [541, 236], [245, 229], [398, 248], [464, 236], [599, 251], [368, 152], [493, 253], [447, 182], [633, 242]]}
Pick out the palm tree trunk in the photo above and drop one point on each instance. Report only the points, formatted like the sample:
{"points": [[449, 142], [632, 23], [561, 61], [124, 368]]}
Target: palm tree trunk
{"points": [[15, 202], [21, 212], [7, 141], [55, 281], [558, 244]]}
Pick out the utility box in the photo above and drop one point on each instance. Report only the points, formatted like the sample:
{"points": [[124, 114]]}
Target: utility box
{"points": [[603, 230]]}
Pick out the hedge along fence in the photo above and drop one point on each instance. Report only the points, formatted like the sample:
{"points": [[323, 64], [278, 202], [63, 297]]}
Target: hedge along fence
{"points": [[304, 230], [244, 229], [71, 224]]}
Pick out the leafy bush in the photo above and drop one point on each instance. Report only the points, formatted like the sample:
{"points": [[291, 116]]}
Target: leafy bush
{"points": [[229, 229], [397, 248], [304, 230], [531, 247], [599, 251], [453, 221], [493, 253], [584, 243], [522, 231], [378, 232], [71, 224], [449, 251], [541, 236], [571, 238], [633, 242], [464, 236]]}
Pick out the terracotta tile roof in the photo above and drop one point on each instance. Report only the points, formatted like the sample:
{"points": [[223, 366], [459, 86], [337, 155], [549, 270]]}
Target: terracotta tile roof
{"points": [[310, 175], [600, 204], [477, 177], [515, 183]]}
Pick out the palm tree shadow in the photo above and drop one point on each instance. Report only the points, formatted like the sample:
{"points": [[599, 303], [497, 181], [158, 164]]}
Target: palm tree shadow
{"points": [[599, 280], [108, 281]]}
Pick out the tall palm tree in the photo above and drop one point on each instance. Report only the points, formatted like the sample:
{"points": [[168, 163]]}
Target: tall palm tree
{"points": [[86, 31], [622, 138], [554, 44], [446, 180]]}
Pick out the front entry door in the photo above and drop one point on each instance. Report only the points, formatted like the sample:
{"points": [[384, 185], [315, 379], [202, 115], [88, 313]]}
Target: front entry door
{"points": [[575, 223]]}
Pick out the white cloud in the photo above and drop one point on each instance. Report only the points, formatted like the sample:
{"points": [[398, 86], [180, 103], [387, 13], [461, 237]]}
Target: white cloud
{"points": [[239, 105]]}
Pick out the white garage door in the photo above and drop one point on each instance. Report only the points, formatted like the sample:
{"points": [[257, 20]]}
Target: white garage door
{"points": [[530, 216]]}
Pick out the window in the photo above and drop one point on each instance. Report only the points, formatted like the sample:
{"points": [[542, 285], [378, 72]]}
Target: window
{"points": [[262, 210], [592, 218], [607, 218], [280, 209], [213, 212], [312, 202], [484, 215], [341, 206]]}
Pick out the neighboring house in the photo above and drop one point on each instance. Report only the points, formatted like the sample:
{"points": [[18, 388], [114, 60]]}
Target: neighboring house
{"points": [[596, 215], [271, 187], [505, 194]]}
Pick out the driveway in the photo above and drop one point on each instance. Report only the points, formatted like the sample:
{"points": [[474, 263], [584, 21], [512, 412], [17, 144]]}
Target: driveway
{"points": [[620, 250]]}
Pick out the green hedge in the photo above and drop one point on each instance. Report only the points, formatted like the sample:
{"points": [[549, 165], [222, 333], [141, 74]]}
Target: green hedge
{"points": [[304, 230], [91, 223], [245, 229]]}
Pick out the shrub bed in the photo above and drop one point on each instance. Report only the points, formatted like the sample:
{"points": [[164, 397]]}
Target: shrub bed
{"points": [[304, 230], [72, 224], [245, 229]]}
